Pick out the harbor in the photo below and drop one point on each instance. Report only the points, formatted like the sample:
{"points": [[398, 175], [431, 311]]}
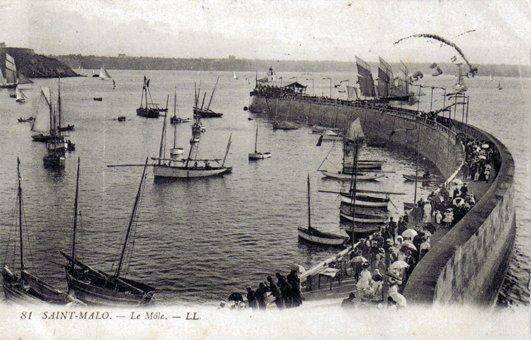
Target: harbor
{"points": [[238, 221]]}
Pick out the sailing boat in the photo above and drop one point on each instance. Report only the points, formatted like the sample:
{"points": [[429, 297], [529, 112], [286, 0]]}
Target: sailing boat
{"points": [[26, 287], [174, 119], [148, 109], [203, 112], [235, 76], [191, 167], [499, 86], [21, 97], [94, 286], [104, 74], [258, 155], [314, 236], [355, 133], [8, 73]]}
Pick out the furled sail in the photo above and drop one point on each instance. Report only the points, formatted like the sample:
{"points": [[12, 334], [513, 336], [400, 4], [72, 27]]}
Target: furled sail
{"points": [[104, 74], [365, 79], [41, 123]]}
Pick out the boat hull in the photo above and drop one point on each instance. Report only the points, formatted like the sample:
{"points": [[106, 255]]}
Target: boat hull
{"points": [[148, 113], [206, 113], [359, 202], [365, 220], [320, 238], [30, 289], [95, 295], [347, 177], [419, 179], [165, 171], [259, 155], [54, 162]]}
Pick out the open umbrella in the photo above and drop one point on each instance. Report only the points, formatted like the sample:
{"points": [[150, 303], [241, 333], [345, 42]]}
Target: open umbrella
{"points": [[409, 233], [399, 265], [485, 146]]}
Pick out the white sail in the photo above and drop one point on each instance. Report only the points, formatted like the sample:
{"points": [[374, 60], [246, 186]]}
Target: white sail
{"points": [[104, 74], [41, 123], [355, 130]]}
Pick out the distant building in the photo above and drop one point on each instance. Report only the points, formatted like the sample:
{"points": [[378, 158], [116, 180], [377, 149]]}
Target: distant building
{"points": [[122, 55]]}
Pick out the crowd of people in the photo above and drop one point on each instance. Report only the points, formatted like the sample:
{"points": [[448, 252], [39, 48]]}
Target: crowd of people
{"points": [[481, 160], [284, 293]]}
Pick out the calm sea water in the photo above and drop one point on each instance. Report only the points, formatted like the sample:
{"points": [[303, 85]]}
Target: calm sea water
{"points": [[200, 240]]}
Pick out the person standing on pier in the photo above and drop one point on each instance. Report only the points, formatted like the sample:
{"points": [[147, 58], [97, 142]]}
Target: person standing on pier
{"points": [[251, 299], [285, 290], [275, 292], [295, 283]]}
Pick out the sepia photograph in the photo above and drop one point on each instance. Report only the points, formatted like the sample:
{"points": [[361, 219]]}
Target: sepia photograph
{"points": [[226, 169]]}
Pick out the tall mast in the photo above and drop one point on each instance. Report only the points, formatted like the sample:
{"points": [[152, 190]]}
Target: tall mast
{"points": [[19, 193], [353, 188], [143, 90], [256, 140], [175, 115], [212, 95], [416, 166], [161, 149], [59, 101], [72, 263], [226, 151], [309, 205], [133, 214]]}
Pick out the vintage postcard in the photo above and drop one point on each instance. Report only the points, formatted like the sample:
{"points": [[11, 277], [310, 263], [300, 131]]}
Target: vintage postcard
{"points": [[223, 169]]}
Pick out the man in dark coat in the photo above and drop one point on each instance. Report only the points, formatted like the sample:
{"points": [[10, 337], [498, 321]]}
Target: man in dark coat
{"points": [[285, 290], [275, 292], [294, 282], [251, 298], [260, 295]]}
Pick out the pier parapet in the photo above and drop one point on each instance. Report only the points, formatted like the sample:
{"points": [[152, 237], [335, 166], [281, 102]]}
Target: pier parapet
{"points": [[468, 264]]}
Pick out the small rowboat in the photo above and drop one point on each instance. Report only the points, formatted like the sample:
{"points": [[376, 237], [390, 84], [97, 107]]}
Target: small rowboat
{"points": [[347, 177], [363, 218], [259, 155], [97, 99], [418, 178], [314, 236], [365, 200]]}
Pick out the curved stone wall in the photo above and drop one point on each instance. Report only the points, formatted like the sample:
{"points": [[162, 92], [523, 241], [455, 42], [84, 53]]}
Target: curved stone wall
{"points": [[468, 263]]}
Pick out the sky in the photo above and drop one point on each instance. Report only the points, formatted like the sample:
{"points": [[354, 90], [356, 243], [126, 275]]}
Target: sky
{"points": [[279, 30]]}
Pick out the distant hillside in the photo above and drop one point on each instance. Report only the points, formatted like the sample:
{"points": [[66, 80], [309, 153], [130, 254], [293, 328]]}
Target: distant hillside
{"points": [[251, 65], [33, 65]]}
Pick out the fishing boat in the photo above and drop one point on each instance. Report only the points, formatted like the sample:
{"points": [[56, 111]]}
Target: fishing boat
{"points": [[235, 76], [97, 99], [48, 122], [24, 286], [361, 176], [202, 111], [96, 287], [104, 74], [258, 155], [21, 97], [315, 236], [175, 119], [148, 108], [365, 201], [499, 86], [191, 166]]}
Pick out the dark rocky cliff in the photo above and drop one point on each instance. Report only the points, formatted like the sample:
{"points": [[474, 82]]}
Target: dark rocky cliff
{"points": [[34, 65]]}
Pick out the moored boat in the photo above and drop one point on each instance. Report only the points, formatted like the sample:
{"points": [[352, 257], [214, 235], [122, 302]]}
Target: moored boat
{"points": [[284, 125], [363, 218], [369, 176], [315, 236], [148, 109], [256, 155], [96, 287], [414, 178], [25, 287], [368, 201], [202, 111], [191, 166]]}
